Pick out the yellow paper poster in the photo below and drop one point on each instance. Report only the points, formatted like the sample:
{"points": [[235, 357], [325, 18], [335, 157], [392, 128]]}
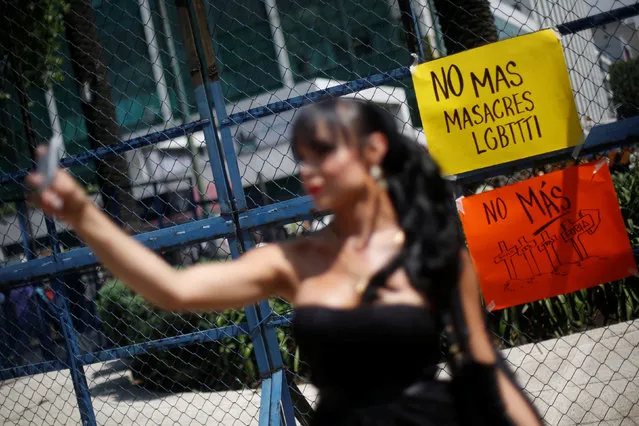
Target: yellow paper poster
{"points": [[497, 103]]}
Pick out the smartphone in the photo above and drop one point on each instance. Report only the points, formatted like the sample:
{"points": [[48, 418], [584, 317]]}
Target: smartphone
{"points": [[48, 163]]}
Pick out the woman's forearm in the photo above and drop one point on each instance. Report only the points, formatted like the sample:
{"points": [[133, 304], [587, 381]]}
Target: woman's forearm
{"points": [[483, 352], [259, 274], [137, 266]]}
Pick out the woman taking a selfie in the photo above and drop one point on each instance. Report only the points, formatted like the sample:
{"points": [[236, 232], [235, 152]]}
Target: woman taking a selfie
{"points": [[372, 291]]}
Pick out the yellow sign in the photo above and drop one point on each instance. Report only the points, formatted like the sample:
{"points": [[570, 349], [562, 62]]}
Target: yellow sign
{"points": [[497, 103]]}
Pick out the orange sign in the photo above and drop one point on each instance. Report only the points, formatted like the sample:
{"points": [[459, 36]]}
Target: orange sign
{"points": [[546, 236]]}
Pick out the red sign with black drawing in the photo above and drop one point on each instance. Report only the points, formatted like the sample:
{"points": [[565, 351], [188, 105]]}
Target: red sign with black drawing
{"points": [[546, 236]]}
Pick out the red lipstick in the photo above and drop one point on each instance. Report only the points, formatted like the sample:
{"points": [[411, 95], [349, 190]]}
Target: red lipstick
{"points": [[313, 190]]}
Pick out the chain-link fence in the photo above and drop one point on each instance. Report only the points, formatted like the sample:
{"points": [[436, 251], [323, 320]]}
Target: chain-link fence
{"points": [[175, 116]]}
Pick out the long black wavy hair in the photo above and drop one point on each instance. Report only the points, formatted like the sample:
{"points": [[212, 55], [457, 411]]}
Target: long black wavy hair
{"points": [[422, 199]]}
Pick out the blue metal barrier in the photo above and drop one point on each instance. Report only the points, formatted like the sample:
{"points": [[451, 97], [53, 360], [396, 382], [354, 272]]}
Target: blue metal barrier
{"points": [[236, 222], [599, 19], [600, 140], [119, 148], [204, 229]]}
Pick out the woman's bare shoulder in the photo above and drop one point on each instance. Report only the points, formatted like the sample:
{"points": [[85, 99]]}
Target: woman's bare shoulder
{"points": [[313, 242], [292, 260]]}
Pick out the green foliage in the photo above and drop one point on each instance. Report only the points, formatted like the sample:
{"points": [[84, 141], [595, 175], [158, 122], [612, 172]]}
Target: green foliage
{"points": [[225, 364], [627, 187], [30, 38], [624, 82], [30, 48], [7, 209], [581, 310]]}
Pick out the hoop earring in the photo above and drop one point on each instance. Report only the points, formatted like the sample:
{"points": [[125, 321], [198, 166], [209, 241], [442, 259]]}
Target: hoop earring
{"points": [[378, 175]]}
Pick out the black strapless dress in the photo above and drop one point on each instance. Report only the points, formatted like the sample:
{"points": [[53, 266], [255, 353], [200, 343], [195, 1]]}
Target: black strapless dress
{"points": [[374, 365]]}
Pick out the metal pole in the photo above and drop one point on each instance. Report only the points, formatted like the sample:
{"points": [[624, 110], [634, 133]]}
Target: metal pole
{"points": [[24, 221], [198, 169], [418, 33], [54, 119], [262, 332], [411, 28], [74, 353], [156, 60], [279, 44], [423, 11], [216, 96], [204, 106]]}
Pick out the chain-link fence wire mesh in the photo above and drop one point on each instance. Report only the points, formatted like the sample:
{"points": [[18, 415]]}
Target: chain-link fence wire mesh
{"points": [[331, 44], [588, 378], [266, 51], [122, 75], [575, 355], [212, 369], [157, 386]]}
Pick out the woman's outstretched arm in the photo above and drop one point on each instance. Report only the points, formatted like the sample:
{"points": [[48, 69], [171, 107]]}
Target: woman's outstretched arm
{"points": [[213, 286], [482, 350]]}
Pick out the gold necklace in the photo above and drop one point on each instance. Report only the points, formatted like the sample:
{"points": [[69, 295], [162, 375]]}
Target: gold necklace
{"points": [[361, 285]]}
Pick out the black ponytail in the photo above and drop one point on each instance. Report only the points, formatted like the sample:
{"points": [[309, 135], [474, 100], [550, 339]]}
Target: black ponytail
{"points": [[426, 210], [423, 200]]}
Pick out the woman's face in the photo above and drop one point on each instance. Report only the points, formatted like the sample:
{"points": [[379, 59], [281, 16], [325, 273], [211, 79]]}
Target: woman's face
{"points": [[332, 169]]}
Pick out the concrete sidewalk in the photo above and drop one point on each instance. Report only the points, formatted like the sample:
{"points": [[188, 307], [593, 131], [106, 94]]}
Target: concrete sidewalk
{"points": [[590, 378]]}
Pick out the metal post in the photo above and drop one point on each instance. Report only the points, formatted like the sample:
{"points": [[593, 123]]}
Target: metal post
{"points": [[192, 200], [204, 106], [161, 88], [424, 12], [221, 183], [54, 119], [25, 229], [281, 52], [213, 145], [264, 338], [155, 60], [180, 92], [70, 338], [28, 244], [418, 33], [158, 206]]}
